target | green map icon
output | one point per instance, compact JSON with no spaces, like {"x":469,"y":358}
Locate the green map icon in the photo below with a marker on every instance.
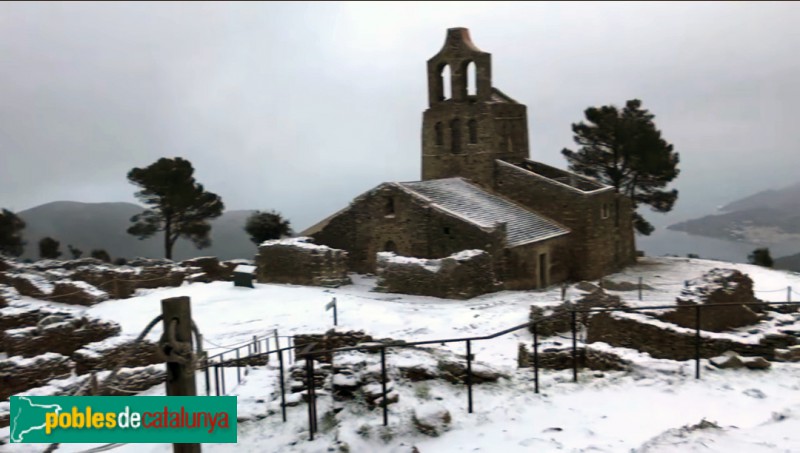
{"x":27,"y":416}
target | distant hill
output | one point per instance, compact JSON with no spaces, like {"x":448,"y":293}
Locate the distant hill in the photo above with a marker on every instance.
{"x":790,"y":263}
{"x":90,"y":226}
{"x":768,"y":217}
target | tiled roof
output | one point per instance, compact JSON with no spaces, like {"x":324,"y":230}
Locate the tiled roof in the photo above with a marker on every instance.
{"x":485,"y":209}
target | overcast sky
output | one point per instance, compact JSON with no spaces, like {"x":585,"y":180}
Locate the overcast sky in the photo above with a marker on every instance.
{"x":300,"y":107}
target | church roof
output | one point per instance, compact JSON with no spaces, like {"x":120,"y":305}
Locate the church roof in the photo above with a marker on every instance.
{"x":484,"y":209}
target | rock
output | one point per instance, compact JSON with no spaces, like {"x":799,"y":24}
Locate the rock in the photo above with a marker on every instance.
{"x":727,"y":360}
{"x":417,"y":373}
{"x":432,"y":423}
{"x":456,"y":372}
{"x":755,"y":363}
{"x":586,"y":287}
{"x":792,"y":354}
{"x":211,"y":267}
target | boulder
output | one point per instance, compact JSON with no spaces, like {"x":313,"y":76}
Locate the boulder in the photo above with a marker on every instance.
{"x":727,"y":360}
{"x":431,"y":423}
{"x":755,"y":363}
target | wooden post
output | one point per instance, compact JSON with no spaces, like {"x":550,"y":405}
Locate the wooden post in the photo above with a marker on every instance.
{"x":180,"y":376}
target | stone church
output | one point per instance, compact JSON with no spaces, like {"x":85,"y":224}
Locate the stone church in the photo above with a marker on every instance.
{"x":479,"y":190}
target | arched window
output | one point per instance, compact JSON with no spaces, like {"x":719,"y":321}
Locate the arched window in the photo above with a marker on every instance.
{"x":446,"y":80}
{"x":455,"y":130}
{"x":390,"y":246}
{"x":439,"y":135}
{"x":471,"y":74}
{"x":472,"y":125}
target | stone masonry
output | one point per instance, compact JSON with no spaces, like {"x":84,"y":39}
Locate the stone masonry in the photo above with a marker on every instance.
{"x":299,"y":261}
{"x":459,"y":276}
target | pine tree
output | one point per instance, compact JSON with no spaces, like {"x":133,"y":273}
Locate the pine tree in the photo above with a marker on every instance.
{"x":49,"y":248}
{"x":100,"y":254}
{"x":624,"y":149}
{"x":177,"y":204}
{"x":75,"y":252}
{"x":263,"y":226}
{"x":11,"y":227}
{"x":760,"y":257}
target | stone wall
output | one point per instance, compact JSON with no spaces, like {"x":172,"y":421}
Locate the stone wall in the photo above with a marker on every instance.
{"x":718,"y":286}
{"x":113,"y":352}
{"x":521,"y":269}
{"x":18,"y":317}
{"x":64,"y":335}
{"x":601,"y":241}
{"x":663,"y":341}
{"x":76,"y":293}
{"x":18,"y":374}
{"x":299,"y":261}
{"x":558,"y":319}
{"x":213,"y":269}
{"x":460,"y":276}
{"x":588,"y":357}
{"x":330,"y":340}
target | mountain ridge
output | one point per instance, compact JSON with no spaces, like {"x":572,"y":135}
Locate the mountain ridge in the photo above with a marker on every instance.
{"x":103,"y":225}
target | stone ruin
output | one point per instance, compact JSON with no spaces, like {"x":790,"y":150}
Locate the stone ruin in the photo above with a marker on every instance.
{"x":298,"y":261}
{"x":44,"y":343}
{"x":718,"y":286}
{"x":356,"y":375}
{"x":669,"y":334}
{"x":463,"y":275}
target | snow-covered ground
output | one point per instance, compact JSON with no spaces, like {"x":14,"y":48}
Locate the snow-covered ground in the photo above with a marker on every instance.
{"x":649,"y":409}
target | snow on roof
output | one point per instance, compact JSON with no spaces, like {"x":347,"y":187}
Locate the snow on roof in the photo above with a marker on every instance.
{"x":244,"y":269}
{"x":302,"y":242}
{"x":485,"y":209}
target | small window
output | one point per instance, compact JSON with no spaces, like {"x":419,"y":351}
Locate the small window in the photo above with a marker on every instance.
{"x":473,"y":131}
{"x":438,"y":132}
{"x":389,"y":208}
{"x":446,"y":230}
{"x":604,"y":211}
{"x":390,"y":246}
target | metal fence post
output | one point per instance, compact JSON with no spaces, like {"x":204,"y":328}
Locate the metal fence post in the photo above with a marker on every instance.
{"x":384,"y":402}
{"x":640,"y":288}
{"x":309,"y":384}
{"x":469,"y":376}
{"x":574,"y":346}
{"x":283,"y":386}
{"x":536,"y":357}
{"x":216,"y":378}
{"x":697,"y":342}
{"x":208,"y":377}
{"x":238,"y":367}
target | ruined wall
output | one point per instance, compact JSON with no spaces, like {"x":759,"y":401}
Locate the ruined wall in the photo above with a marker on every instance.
{"x":662,"y":342}
{"x":718,"y":286}
{"x":460,"y":276}
{"x":299,"y":261}
{"x":330,"y":340}
{"x":64,"y":335}
{"x":602,"y":239}
{"x":18,"y":374}
{"x":388,"y":218}
{"x":108,"y":354}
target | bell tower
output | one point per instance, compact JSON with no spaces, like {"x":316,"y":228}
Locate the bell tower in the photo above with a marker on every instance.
{"x":468,"y":123}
